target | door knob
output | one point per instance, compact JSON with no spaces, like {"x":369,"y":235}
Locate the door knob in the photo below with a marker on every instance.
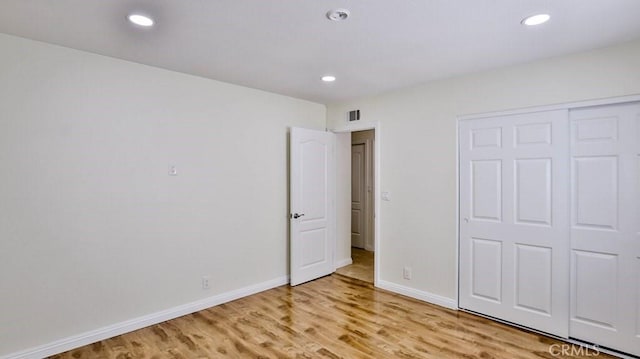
{"x":296,"y":216}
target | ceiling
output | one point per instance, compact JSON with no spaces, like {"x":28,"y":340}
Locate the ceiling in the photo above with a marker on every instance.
{"x":286,"y":46}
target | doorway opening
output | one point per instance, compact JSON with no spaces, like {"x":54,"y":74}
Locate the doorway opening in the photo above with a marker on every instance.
{"x":362,"y":207}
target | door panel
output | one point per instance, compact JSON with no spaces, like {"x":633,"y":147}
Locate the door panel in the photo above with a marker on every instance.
{"x":514,"y":219}
{"x":534,"y":279}
{"x":312,"y":195}
{"x":358,"y":193}
{"x":486,"y":137}
{"x":595,"y":199}
{"x":596,"y":130}
{"x":314,"y":161}
{"x":605,"y":245}
{"x":595,"y":293}
{"x":486,"y":187}
{"x":533,"y":191}
{"x":313,"y":247}
{"x":533,"y":134}
{"x":487,"y":269}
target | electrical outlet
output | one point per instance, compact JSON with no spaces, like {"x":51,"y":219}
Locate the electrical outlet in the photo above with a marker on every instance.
{"x":173,"y":170}
{"x":406,"y":273}
{"x":205,"y":283}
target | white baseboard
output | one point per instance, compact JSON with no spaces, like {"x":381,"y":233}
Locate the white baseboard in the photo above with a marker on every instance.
{"x":93,"y":336}
{"x":343,"y":262}
{"x":418,"y":294}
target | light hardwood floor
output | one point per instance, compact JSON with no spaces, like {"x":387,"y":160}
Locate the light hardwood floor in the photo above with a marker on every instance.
{"x":362,"y":266}
{"x":332,"y":317}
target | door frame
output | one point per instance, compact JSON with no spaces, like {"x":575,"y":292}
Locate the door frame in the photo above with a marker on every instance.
{"x":561,"y":106}
{"x":376,"y":188}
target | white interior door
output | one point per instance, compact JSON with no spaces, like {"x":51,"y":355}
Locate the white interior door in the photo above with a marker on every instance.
{"x":312,"y":204}
{"x":605,"y":226}
{"x":514,"y":219}
{"x":358,"y":193}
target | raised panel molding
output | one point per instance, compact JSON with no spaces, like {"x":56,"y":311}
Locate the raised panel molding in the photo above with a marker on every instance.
{"x":486,"y":190}
{"x":533,"y":194}
{"x":533,"y":267}
{"x":313,"y":250}
{"x":595,"y":192}
{"x":596,"y":288}
{"x":596,"y":129}
{"x":532,"y":134}
{"x":486,"y":279}
{"x":356,"y":164}
{"x":313,"y":152}
{"x":486,"y":138}
{"x":355,"y":223}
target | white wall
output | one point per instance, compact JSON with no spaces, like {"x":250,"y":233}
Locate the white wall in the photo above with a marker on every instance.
{"x":418,"y":154}
{"x":93,"y":231}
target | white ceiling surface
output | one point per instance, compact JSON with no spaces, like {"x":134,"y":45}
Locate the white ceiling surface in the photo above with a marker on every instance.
{"x":285,"y":46}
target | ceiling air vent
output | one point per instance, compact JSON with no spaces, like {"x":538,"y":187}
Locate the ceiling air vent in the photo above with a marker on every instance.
{"x":354,"y":115}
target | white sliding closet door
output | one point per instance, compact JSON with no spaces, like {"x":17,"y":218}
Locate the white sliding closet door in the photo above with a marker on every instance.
{"x":514,"y":226}
{"x":605,"y":226}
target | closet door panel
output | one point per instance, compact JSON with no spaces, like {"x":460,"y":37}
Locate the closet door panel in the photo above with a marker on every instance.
{"x":605,"y":220}
{"x":514,"y":219}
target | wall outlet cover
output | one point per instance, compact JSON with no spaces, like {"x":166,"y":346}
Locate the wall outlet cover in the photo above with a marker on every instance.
{"x":205,"y":283}
{"x":406,"y":273}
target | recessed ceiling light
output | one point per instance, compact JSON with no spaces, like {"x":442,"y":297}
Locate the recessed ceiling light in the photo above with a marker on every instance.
{"x":141,"y":20}
{"x":328,"y":78}
{"x":535,"y":19}
{"x":338,"y":14}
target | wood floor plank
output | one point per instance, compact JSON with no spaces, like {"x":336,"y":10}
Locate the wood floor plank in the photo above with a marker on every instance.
{"x":362,"y":266}
{"x":332,"y":317}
